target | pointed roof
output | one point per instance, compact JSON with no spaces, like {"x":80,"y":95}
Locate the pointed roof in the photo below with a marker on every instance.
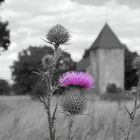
{"x":107,"y":39}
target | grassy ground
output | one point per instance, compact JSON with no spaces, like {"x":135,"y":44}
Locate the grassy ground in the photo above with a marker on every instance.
{"x":23,"y":119}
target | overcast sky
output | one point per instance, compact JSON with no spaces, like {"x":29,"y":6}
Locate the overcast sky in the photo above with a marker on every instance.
{"x":29,"y":21}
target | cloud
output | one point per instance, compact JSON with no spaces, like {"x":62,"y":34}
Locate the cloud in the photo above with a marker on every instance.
{"x":36,"y":7}
{"x":92,"y":2}
{"x":30,"y":21}
{"x":11,"y":14}
{"x":13,"y":46}
{"x":130,"y":3}
{"x":6,"y":60}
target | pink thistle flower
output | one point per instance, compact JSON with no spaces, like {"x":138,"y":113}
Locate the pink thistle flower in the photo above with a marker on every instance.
{"x":81,"y":79}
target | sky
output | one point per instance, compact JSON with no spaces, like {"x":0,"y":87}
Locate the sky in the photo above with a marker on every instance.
{"x":29,"y":22}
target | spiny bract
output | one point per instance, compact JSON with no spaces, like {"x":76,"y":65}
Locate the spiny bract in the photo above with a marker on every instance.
{"x":47,"y":61}
{"x":58,"y":35}
{"x":74,"y":101}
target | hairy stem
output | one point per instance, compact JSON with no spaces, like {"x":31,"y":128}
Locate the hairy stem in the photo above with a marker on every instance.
{"x":47,"y":108}
{"x":47,"y":102}
{"x":70,"y":124}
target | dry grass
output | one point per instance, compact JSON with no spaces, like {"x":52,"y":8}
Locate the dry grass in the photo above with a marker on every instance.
{"x":23,"y":119}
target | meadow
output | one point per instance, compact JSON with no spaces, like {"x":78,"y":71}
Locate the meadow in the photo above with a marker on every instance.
{"x":24,"y":119}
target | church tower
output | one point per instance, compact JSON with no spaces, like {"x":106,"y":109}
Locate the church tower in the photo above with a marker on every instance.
{"x":105,"y":60}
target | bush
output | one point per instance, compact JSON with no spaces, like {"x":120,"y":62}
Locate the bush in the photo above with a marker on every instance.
{"x":112,"y":88}
{"x":4,"y":87}
{"x":30,"y":61}
{"x":113,"y":93}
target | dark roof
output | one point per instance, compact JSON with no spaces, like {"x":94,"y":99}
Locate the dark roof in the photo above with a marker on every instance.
{"x":106,"y":39}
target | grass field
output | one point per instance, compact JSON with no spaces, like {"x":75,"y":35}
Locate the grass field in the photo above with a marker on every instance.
{"x":24,"y":119}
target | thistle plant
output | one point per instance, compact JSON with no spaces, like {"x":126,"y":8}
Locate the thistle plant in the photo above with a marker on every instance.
{"x":132,"y":114}
{"x":75,"y":100}
{"x":74,"y":83}
{"x":56,"y":36}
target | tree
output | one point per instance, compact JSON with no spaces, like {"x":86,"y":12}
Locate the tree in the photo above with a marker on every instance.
{"x":86,"y":53}
{"x":1,"y":1}
{"x":4,"y":34}
{"x":4,"y":87}
{"x":29,"y":61}
{"x":131,"y":78}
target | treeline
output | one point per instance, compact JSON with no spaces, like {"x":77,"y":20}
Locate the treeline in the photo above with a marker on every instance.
{"x":24,"y":70}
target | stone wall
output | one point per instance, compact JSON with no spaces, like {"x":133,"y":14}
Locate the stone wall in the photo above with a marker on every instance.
{"x":107,"y":68}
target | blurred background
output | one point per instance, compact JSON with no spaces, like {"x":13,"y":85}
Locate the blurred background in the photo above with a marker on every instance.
{"x":23,"y":25}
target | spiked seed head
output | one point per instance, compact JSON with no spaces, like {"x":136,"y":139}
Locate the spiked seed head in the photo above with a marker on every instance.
{"x":47,"y":61}
{"x":58,"y":35}
{"x":74,"y":101}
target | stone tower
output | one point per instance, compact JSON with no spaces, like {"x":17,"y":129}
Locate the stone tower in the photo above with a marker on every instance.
{"x":106,"y":60}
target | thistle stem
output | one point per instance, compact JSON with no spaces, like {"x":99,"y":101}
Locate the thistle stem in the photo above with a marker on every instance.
{"x":47,"y":102}
{"x":47,"y":108}
{"x":70,"y":125}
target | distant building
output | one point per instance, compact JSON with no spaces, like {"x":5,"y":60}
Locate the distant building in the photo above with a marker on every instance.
{"x":105,"y":60}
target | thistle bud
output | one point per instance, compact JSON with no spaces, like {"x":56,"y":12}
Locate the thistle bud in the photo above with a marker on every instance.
{"x":47,"y":61}
{"x":74,"y":101}
{"x":75,"y":84}
{"x":58,"y":35}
